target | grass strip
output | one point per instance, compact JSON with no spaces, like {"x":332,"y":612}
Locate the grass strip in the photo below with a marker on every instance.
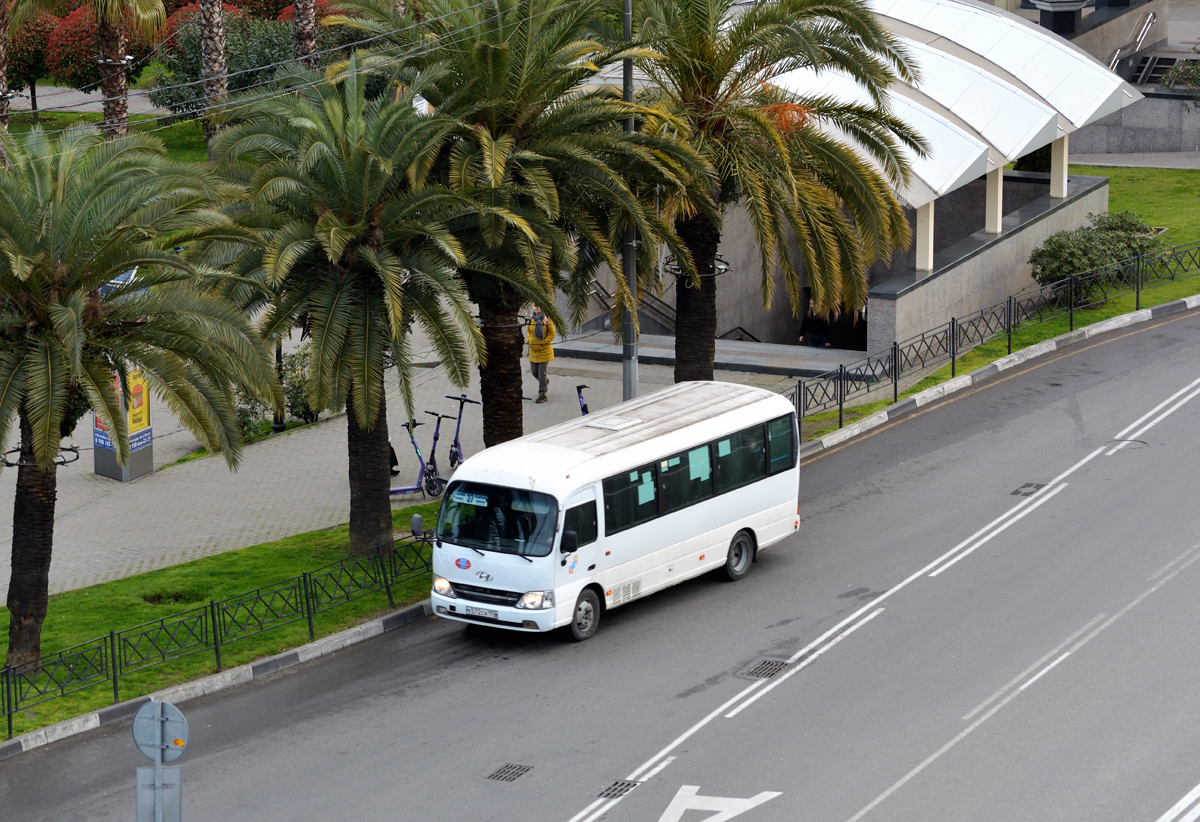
{"x":88,"y":613}
{"x":817,"y":425}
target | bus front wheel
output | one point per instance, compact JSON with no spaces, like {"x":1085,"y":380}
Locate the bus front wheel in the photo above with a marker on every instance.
{"x":741,"y":554}
{"x":587,"y":616}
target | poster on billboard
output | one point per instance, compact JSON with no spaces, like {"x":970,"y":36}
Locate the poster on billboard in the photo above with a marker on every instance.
{"x":137,"y":414}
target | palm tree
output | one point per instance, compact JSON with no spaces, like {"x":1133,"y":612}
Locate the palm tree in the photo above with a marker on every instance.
{"x":776,"y":153}
{"x":304,"y":32}
{"x":75,"y":212}
{"x":356,"y":250}
{"x":113,"y":17}
{"x":5,"y":38}
{"x":542,"y":150}
{"x":212,"y":58}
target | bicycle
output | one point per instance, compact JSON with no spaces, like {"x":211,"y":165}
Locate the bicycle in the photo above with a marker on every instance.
{"x":456,"y":449}
{"x":427,"y":482}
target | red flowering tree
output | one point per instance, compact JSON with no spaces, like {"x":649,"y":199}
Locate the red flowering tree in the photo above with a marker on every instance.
{"x":72,"y":49}
{"x":28,"y":51}
{"x":288,"y":14}
{"x":263,"y":9}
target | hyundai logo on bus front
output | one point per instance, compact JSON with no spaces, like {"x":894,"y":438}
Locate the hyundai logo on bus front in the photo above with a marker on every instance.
{"x":484,"y":575}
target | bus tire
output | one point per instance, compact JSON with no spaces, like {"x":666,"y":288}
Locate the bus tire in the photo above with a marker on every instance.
{"x":741,"y":555}
{"x":586,"y":619}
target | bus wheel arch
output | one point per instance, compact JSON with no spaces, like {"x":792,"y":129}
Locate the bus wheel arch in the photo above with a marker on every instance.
{"x":743,"y":549}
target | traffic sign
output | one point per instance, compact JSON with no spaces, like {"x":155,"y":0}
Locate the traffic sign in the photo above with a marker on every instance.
{"x":174,"y":735}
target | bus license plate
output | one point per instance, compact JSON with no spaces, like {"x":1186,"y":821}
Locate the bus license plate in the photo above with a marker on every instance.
{"x":482,"y":612}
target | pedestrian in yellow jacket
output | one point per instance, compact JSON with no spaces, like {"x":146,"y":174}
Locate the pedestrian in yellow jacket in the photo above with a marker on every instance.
{"x":539,"y":333}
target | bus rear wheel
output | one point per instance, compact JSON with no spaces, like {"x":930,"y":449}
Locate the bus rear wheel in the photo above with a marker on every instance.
{"x":741,"y":555}
{"x":586,"y":620}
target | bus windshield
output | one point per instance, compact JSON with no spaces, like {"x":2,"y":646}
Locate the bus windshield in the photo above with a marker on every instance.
{"x":494,"y":518}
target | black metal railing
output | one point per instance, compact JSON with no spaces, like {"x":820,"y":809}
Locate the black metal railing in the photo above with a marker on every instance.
{"x":209,"y":628}
{"x":909,"y":360}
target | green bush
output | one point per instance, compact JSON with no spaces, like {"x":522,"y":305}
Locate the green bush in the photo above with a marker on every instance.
{"x":295,"y":382}
{"x":1111,"y":238}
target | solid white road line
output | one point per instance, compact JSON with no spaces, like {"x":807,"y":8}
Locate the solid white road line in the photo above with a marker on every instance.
{"x":1153,"y":422}
{"x":1002,"y":528}
{"x":657,"y":769}
{"x":809,"y":661}
{"x":1121,"y":434}
{"x":966,"y":731}
{"x":1044,"y":671}
{"x":1180,"y":806}
{"x":1167,"y":567}
{"x":1016,"y":680}
{"x":579,"y":816}
{"x":1192,"y":816}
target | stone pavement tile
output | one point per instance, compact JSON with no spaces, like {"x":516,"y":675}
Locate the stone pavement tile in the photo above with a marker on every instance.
{"x":285,"y":485}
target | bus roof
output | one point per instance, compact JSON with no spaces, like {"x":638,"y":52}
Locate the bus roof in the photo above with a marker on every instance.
{"x":615,"y":438}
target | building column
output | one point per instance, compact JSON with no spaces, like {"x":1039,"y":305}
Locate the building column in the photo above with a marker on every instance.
{"x":994,"y":206}
{"x":925,"y":237}
{"x":1058,"y":168}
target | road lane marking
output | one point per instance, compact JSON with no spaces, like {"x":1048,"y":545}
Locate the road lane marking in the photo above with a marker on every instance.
{"x":1016,"y":680}
{"x":688,"y":798}
{"x":1181,"y":806}
{"x":1167,"y":567}
{"x":1003,"y":527}
{"x":809,"y":661}
{"x":657,"y":769}
{"x":1153,"y":422}
{"x":967,"y":731}
{"x":1044,"y":671}
{"x":1121,"y":434}
{"x":579,"y":816}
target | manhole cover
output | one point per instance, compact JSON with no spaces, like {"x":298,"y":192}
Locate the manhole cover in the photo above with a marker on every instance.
{"x":1028,"y":489}
{"x":763,"y":669}
{"x":509,"y":772}
{"x":618,"y":788}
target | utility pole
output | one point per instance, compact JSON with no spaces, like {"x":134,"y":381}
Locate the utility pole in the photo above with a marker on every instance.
{"x":629,"y":354}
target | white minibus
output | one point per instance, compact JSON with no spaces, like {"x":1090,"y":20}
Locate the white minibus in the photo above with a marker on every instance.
{"x":552,"y":529}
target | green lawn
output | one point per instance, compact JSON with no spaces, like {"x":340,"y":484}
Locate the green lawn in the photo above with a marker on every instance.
{"x":1163,"y":196}
{"x":76,"y":617}
{"x":183,"y":141}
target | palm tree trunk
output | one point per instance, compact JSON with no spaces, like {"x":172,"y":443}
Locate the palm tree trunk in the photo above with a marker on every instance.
{"x":370,"y":480}
{"x":696,"y":308}
{"x":33,"y":99}
{"x":500,"y":377}
{"x":33,"y":539}
{"x":4,"y":40}
{"x":114,"y":44}
{"x":305,"y":32}
{"x":212,"y":59}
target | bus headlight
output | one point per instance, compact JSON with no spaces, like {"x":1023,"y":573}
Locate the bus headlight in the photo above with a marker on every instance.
{"x":442,"y":586}
{"x":536,"y":600}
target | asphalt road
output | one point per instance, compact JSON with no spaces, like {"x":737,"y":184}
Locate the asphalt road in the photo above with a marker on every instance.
{"x":958,"y":652}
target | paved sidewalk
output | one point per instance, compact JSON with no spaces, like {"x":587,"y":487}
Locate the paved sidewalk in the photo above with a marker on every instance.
{"x":59,"y":98}
{"x":1163,"y":159}
{"x":287,"y":484}
{"x":732,"y":355}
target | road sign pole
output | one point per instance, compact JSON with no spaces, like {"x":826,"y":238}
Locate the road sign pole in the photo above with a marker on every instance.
{"x":158,"y":755}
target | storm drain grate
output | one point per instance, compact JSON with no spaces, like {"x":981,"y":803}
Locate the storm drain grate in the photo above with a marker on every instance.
{"x":508,"y":772}
{"x":618,"y":788}
{"x":764,"y":669}
{"x":1028,"y":489}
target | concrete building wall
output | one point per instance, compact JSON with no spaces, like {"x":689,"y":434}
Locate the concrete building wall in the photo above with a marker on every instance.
{"x":1150,"y":124}
{"x":1108,"y":28}
{"x":979,"y":271}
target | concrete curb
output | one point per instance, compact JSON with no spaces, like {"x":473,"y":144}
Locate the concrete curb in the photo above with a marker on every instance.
{"x":217,"y":682}
{"x":914,"y":402}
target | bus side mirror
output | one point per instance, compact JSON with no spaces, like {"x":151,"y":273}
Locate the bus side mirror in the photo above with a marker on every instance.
{"x":417,"y":526}
{"x":570,"y":542}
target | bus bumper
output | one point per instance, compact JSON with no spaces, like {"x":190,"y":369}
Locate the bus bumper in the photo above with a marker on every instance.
{"x":499,"y":616}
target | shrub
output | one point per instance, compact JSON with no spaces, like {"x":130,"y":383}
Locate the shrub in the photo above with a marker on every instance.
{"x":27,"y":54}
{"x":263,"y":9}
{"x":250,"y":43}
{"x":288,"y":13}
{"x":72,"y":49}
{"x":1185,"y":76}
{"x":252,"y":416}
{"x":295,"y":381}
{"x":1110,"y":238}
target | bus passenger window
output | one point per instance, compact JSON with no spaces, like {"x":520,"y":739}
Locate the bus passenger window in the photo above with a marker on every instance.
{"x":685,"y":479}
{"x":782,"y":449}
{"x":582,"y":520}
{"x":741,"y":459}
{"x":629,"y":499}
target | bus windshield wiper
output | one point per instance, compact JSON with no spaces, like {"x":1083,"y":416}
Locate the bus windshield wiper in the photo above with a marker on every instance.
{"x":527,"y":559}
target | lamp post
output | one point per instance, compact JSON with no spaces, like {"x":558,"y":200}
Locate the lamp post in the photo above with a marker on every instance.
{"x":629,"y":355}
{"x":277,"y":423}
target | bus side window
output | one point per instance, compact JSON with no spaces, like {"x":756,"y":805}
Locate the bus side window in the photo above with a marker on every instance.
{"x":630,"y":498}
{"x":582,"y":520}
{"x":781,"y":447}
{"x":685,"y":479}
{"x":741,"y":459}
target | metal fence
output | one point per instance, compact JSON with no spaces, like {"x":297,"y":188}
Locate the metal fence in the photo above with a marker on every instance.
{"x":910,"y":360}
{"x":209,"y":628}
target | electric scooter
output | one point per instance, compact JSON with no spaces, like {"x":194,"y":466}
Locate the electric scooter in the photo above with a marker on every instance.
{"x":427,"y":483}
{"x":456,"y":449}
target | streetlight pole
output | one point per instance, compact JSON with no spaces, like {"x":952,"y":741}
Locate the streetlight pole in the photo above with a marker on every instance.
{"x":629,"y":355}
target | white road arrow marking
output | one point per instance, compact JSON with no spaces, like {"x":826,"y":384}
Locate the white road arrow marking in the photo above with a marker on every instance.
{"x":689,"y":799}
